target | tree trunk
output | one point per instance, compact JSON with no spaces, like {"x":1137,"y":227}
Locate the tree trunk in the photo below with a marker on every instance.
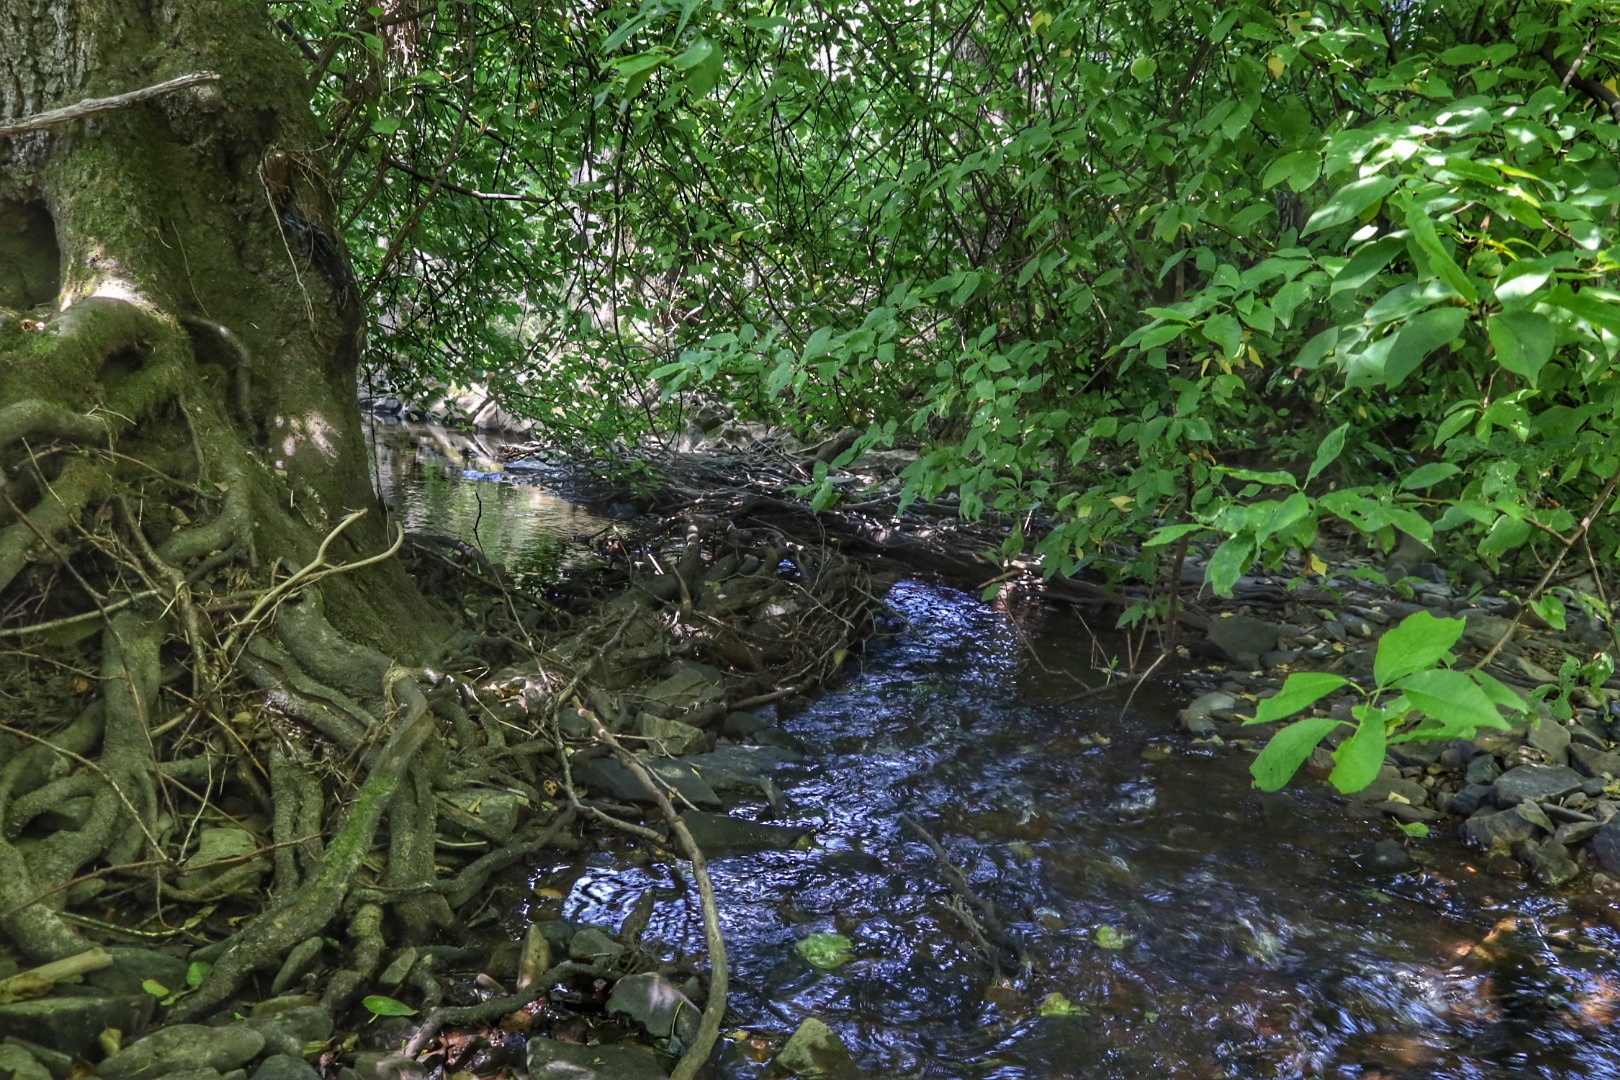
{"x":178,"y":437}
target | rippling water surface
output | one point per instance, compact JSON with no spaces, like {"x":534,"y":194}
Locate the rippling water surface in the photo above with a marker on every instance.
{"x":1256,"y":944}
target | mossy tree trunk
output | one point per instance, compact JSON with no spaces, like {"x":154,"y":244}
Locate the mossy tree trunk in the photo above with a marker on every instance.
{"x":178,"y":436}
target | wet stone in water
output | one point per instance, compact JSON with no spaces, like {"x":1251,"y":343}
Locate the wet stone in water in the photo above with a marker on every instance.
{"x":1535,"y":782}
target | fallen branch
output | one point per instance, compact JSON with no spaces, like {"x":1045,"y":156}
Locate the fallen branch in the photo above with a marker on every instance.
{"x":715,"y":1010}
{"x":90,"y":106}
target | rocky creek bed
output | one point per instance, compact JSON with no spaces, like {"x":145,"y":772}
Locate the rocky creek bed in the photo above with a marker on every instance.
{"x":680,"y":645}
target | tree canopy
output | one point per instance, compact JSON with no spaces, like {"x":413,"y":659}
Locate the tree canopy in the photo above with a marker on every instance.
{"x":1158,"y":273}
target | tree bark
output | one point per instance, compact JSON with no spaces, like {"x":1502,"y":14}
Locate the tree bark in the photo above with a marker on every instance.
{"x":182,"y":476}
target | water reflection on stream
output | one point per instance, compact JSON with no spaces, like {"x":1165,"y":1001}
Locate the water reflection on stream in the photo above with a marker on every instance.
{"x":1257,"y":947}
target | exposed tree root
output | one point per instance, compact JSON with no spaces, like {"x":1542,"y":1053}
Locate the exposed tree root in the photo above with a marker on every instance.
{"x":242,"y":771}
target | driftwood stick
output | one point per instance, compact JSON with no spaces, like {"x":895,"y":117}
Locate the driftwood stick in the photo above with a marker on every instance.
{"x":90,"y":106}
{"x":697,"y":1054}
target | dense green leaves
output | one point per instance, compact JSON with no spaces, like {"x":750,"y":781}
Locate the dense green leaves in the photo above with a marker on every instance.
{"x":1110,"y":270}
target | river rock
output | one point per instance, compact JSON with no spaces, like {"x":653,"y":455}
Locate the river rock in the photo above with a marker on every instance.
{"x":553,"y":1060}
{"x":1198,"y":717}
{"x":1243,"y":639}
{"x":1490,"y":829}
{"x":815,"y":1052}
{"x":1468,"y":800}
{"x":653,"y":1002}
{"x":671,"y":738}
{"x":721,"y":835}
{"x":295,"y":1032}
{"x":491,"y":812}
{"x":1535,"y":815}
{"x":1483,"y":629}
{"x":692,"y":685}
{"x":170,"y":1049}
{"x":387,"y":1065}
{"x":1576,"y":832}
{"x":285,"y":1067}
{"x":1552,"y":739}
{"x":1592,"y":762}
{"x":592,"y":946}
{"x":1484,"y":769}
{"x":741,"y":768}
{"x":1605,"y":846}
{"x":1534,"y":782}
{"x":1384,"y":786}
{"x":18,"y":1064}
{"x":71,"y":1022}
{"x":131,"y":966}
{"x":1549,"y":861}
{"x":614,"y":779}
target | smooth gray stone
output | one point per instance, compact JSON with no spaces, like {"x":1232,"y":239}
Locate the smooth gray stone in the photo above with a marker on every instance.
{"x":653,"y":1002}
{"x":291,"y":1033}
{"x":592,"y":946}
{"x":1243,"y":639}
{"x":132,"y":966}
{"x":1488,"y":829}
{"x":1606,"y":846}
{"x":1535,"y":782}
{"x":614,"y":779}
{"x":1593,"y":762}
{"x":1484,"y":769}
{"x":815,"y":1052}
{"x":740,"y":768}
{"x":183,"y":1046}
{"x":285,"y":1067}
{"x":70,"y":1023}
{"x":720,"y":835}
{"x":18,"y":1064}
{"x":1552,"y":739}
{"x":1550,"y":862}
{"x":553,"y":1060}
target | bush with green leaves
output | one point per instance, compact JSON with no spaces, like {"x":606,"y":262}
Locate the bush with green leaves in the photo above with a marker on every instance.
{"x":1416,"y":696}
{"x":1138,"y":277}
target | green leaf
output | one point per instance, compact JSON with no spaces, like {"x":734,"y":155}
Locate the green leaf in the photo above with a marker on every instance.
{"x":1143,"y":67}
{"x":378,"y":1005}
{"x":1350,"y":202}
{"x":1328,"y":452}
{"x":1453,"y":700}
{"x":1524,"y":342}
{"x":1426,"y":476}
{"x":1367,"y":263}
{"x":1593,"y":305}
{"x":1300,"y":691}
{"x":1055,"y":1004}
{"x":1111,"y":938}
{"x":1224,"y":330}
{"x":1420,"y":641}
{"x":1287,"y":751}
{"x":1230,"y":562}
{"x":1426,"y":240}
{"x":825,"y":951}
{"x":1357,"y":760}
{"x":1422,"y":334}
{"x":196,"y":972}
{"x":155,"y":988}
{"x":1300,"y":169}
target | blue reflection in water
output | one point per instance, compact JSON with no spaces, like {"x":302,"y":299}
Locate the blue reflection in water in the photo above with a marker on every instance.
{"x":1253,"y":947}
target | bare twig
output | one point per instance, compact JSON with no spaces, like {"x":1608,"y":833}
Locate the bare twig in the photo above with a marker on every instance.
{"x":90,"y":106}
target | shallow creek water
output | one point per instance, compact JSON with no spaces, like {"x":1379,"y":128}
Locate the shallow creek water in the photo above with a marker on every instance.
{"x":1257,"y":943}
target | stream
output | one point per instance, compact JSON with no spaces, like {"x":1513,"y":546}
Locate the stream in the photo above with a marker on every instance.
{"x":1202,"y":929}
